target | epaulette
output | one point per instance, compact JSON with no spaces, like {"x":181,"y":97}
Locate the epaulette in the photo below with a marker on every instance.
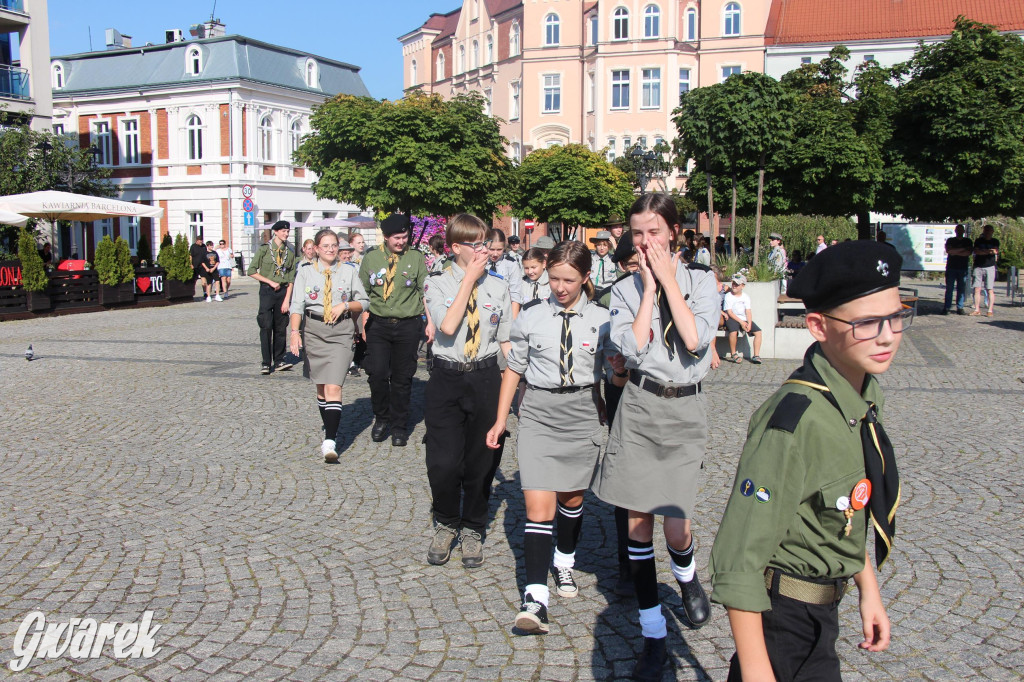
{"x":436,"y":274}
{"x":348,"y":262}
{"x":494,"y":274}
{"x":536,"y":301}
{"x":302,"y":265}
{"x":698,"y":266}
{"x":788,"y":412}
{"x":510,"y":257}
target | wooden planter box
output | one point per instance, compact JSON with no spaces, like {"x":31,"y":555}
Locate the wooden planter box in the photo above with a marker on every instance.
{"x":38,"y":301}
{"x":117,"y":294}
{"x":150,"y":284}
{"x":177,"y":291}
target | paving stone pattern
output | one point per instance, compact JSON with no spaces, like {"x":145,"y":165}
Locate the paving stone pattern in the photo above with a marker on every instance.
{"x":147,"y":466}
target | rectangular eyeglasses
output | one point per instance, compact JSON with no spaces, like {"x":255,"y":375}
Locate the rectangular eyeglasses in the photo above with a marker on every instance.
{"x":476,"y":246}
{"x":870,"y":327}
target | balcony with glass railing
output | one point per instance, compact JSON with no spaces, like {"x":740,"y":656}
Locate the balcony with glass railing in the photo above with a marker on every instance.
{"x":13,"y":5}
{"x":14,"y":82}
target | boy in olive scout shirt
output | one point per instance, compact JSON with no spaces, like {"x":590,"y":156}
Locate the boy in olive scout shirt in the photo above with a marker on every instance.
{"x":817,"y":472}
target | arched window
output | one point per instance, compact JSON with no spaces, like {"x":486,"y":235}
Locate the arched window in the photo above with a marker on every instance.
{"x":412,"y":74}
{"x":296,"y":134}
{"x":266,"y":141}
{"x":490,"y":50}
{"x":513,"y":39}
{"x":620,"y":24}
{"x":462,"y":59}
{"x":652,"y":21}
{"x":732,"y":19}
{"x":194,"y":133}
{"x":58,"y":77}
{"x":476,"y":54}
{"x":440,"y":66}
{"x":312,"y":74}
{"x":194,"y":61}
{"x":691,"y":24}
{"x":551,"y":25}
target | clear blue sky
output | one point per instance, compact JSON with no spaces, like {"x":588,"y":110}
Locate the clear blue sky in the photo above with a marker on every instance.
{"x":360,"y":32}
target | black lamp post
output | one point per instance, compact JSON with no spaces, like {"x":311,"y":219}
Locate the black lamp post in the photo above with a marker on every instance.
{"x":645,"y":163}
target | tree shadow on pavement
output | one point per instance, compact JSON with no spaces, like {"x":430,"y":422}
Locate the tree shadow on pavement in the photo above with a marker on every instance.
{"x":1010,"y":325}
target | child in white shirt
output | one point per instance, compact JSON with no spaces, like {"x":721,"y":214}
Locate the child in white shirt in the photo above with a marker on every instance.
{"x":739,"y":316}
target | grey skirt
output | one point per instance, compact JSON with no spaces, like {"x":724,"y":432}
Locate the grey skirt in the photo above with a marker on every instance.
{"x":655,"y":453}
{"x":559,"y":440}
{"x":327,"y":351}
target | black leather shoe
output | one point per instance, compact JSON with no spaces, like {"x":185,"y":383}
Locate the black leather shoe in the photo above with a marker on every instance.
{"x":651,"y":664}
{"x":379,"y":431}
{"x":399,"y":438}
{"x":695,"y":602}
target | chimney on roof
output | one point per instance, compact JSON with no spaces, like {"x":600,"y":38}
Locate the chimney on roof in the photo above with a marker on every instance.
{"x":174,"y":35}
{"x":116,"y":40}
{"x":208,"y":29}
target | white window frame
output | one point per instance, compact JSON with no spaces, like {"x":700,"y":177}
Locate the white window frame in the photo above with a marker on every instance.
{"x":101,"y":139}
{"x":731,"y":15}
{"x":650,"y":87}
{"x":265,"y":138}
{"x":620,"y":90}
{"x":312,"y":74}
{"x":488,"y":103}
{"x":620,"y":24}
{"x":514,"y":101}
{"x":440,"y":66}
{"x":627,"y":144}
{"x":592,"y":32}
{"x":805,"y":60}
{"x":130,"y":231}
{"x":732,"y":69}
{"x":131,"y":152}
{"x":57,"y":76}
{"x":194,"y":137}
{"x":551,"y":85}
{"x":489,"y":47}
{"x":552,"y":30}
{"x":652,"y":21}
{"x":691,"y":24}
{"x":610,"y":154}
{"x":413,"y":75}
{"x":462,"y":59}
{"x":295,"y":134}
{"x":476,"y":55}
{"x":591,"y":91}
{"x":57,"y":128}
{"x":517,"y":152}
{"x":514,"y":35}
{"x":194,"y":61}
{"x":195,"y":225}
{"x":684,"y":80}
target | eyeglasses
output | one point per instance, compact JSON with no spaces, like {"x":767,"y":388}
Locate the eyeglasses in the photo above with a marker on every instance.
{"x":476,"y":246}
{"x":870,"y":327}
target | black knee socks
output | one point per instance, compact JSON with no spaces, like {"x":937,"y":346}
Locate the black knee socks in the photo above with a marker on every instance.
{"x":644,"y":573}
{"x":537,"y":547}
{"x":332,"y":419}
{"x":570,"y":523}
{"x":622,"y":533}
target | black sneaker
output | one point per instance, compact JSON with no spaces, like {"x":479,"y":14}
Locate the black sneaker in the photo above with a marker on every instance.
{"x":945,"y":311}
{"x":650,"y":665}
{"x":353,"y":371}
{"x":532,"y":618}
{"x":266,"y":369}
{"x":695,"y":602}
{"x":284,"y":365}
{"x":565,"y":585}
{"x":961,"y":311}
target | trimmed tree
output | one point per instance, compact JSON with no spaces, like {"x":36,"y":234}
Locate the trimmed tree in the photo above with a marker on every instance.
{"x":123,"y":261}
{"x":105,"y":262}
{"x":33,"y":273}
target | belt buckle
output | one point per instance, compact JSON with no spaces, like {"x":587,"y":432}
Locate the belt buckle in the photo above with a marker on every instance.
{"x":670,"y":392}
{"x":465,"y":366}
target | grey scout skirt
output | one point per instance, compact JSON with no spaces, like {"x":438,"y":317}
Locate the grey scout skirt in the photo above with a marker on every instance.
{"x":327,"y":351}
{"x":655,"y":453}
{"x":559,"y":440}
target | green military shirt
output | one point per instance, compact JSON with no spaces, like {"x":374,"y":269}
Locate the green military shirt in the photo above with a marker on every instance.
{"x":407,"y":298}
{"x":801,"y":456}
{"x":275,"y":263}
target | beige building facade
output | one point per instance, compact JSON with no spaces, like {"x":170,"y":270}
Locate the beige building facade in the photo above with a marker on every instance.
{"x":25,"y":60}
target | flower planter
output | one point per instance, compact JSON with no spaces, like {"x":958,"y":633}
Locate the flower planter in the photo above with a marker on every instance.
{"x":117,"y":294}
{"x":38,"y":301}
{"x":177,"y":291}
{"x":150,"y":283}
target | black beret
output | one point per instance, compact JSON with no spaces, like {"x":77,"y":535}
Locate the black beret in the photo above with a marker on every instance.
{"x":624,"y":248}
{"x":513,"y":239}
{"x":396,"y":223}
{"x":844,"y":272}
{"x":281,"y":225}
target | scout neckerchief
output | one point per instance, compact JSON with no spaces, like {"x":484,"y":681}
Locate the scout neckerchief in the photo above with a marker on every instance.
{"x":879,"y":461}
{"x":279,"y":255}
{"x":600,"y":270}
{"x":669,"y":334}
{"x":389,"y":278}
{"x":494,"y":267}
{"x":472,"y":326}
{"x":565,"y":361}
{"x":328,"y":309}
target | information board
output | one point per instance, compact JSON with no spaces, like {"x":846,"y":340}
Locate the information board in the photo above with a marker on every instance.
{"x":922,"y":245}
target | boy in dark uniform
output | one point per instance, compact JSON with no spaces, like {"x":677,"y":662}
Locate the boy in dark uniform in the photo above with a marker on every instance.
{"x":817,"y":472}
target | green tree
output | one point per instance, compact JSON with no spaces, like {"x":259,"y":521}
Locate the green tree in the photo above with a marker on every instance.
{"x":422,"y":155}
{"x":33,"y":274}
{"x":123,"y":259}
{"x":145,"y":251}
{"x":105,"y":262}
{"x":697,"y":122}
{"x":660,"y":167}
{"x":179,"y":264}
{"x":571,"y":185}
{"x":958,"y":130}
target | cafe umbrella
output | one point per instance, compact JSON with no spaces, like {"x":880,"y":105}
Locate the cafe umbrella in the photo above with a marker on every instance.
{"x":10,"y":218}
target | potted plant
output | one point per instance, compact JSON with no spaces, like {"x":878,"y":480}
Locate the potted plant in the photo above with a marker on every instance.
{"x":178,"y":265}
{"x":114,"y":271}
{"x":34,"y":279}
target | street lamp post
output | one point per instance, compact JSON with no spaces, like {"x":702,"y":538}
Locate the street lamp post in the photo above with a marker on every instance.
{"x":645,"y":163}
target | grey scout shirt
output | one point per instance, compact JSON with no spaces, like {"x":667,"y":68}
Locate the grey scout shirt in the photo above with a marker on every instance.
{"x":602,"y":270}
{"x":700,"y":290}
{"x":537,"y":340}
{"x":507,"y":268}
{"x":535,"y":290}
{"x":493,"y":303}
{"x":309,"y":288}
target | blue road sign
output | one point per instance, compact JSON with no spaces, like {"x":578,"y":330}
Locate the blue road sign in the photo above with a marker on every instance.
{"x":250,"y":219}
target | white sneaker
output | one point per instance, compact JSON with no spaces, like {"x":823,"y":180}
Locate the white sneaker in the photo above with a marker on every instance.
{"x":330,"y":456}
{"x":208,"y":299}
{"x":218,"y":298}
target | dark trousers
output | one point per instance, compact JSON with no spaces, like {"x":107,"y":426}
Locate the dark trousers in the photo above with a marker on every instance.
{"x":460,"y":410}
{"x":273,"y":323}
{"x":390,"y":365}
{"x":957,"y":278}
{"x":801,"y":641}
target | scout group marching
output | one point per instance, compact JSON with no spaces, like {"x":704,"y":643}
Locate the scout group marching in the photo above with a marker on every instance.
{"x":545,"y":330}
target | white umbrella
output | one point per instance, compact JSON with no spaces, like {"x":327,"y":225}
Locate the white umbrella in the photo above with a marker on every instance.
{"x":328,"y":222}
{"x":10,"y":218}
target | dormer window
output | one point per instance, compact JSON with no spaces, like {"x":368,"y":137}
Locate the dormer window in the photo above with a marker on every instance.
{"x":58,"y":76}
{"x":312,"y":74}
{"x":194,"y":61}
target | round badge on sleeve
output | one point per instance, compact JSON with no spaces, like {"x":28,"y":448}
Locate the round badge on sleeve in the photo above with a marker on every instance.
{"x":861,"y":494}
{"x":843,"y":503}
{"x":494,"y":319}
{"x":763,"y":495}
{"x":747,"y":488}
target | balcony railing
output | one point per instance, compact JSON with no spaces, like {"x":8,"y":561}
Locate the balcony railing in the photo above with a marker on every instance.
{"x":13,"y":5}
{"x":14,"y":82}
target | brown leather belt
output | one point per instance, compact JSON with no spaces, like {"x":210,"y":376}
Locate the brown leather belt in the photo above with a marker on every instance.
{"x":804,"y":590}
{"x":661,"y":390}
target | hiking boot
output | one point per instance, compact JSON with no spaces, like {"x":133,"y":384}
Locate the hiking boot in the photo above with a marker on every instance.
{"x":533,"y":617}
{"x":441,"y":546}
{"x":472,"y":548}
{"x":650,"y":665}
{"x":695,"y":602}
{"x":565,"y":585}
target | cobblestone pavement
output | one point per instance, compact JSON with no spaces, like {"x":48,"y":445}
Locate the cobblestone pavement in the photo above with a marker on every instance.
{"x":147,"y":466}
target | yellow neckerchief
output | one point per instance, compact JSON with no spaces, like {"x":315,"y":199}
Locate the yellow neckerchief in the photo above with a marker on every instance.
{"x":328,"y":309}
